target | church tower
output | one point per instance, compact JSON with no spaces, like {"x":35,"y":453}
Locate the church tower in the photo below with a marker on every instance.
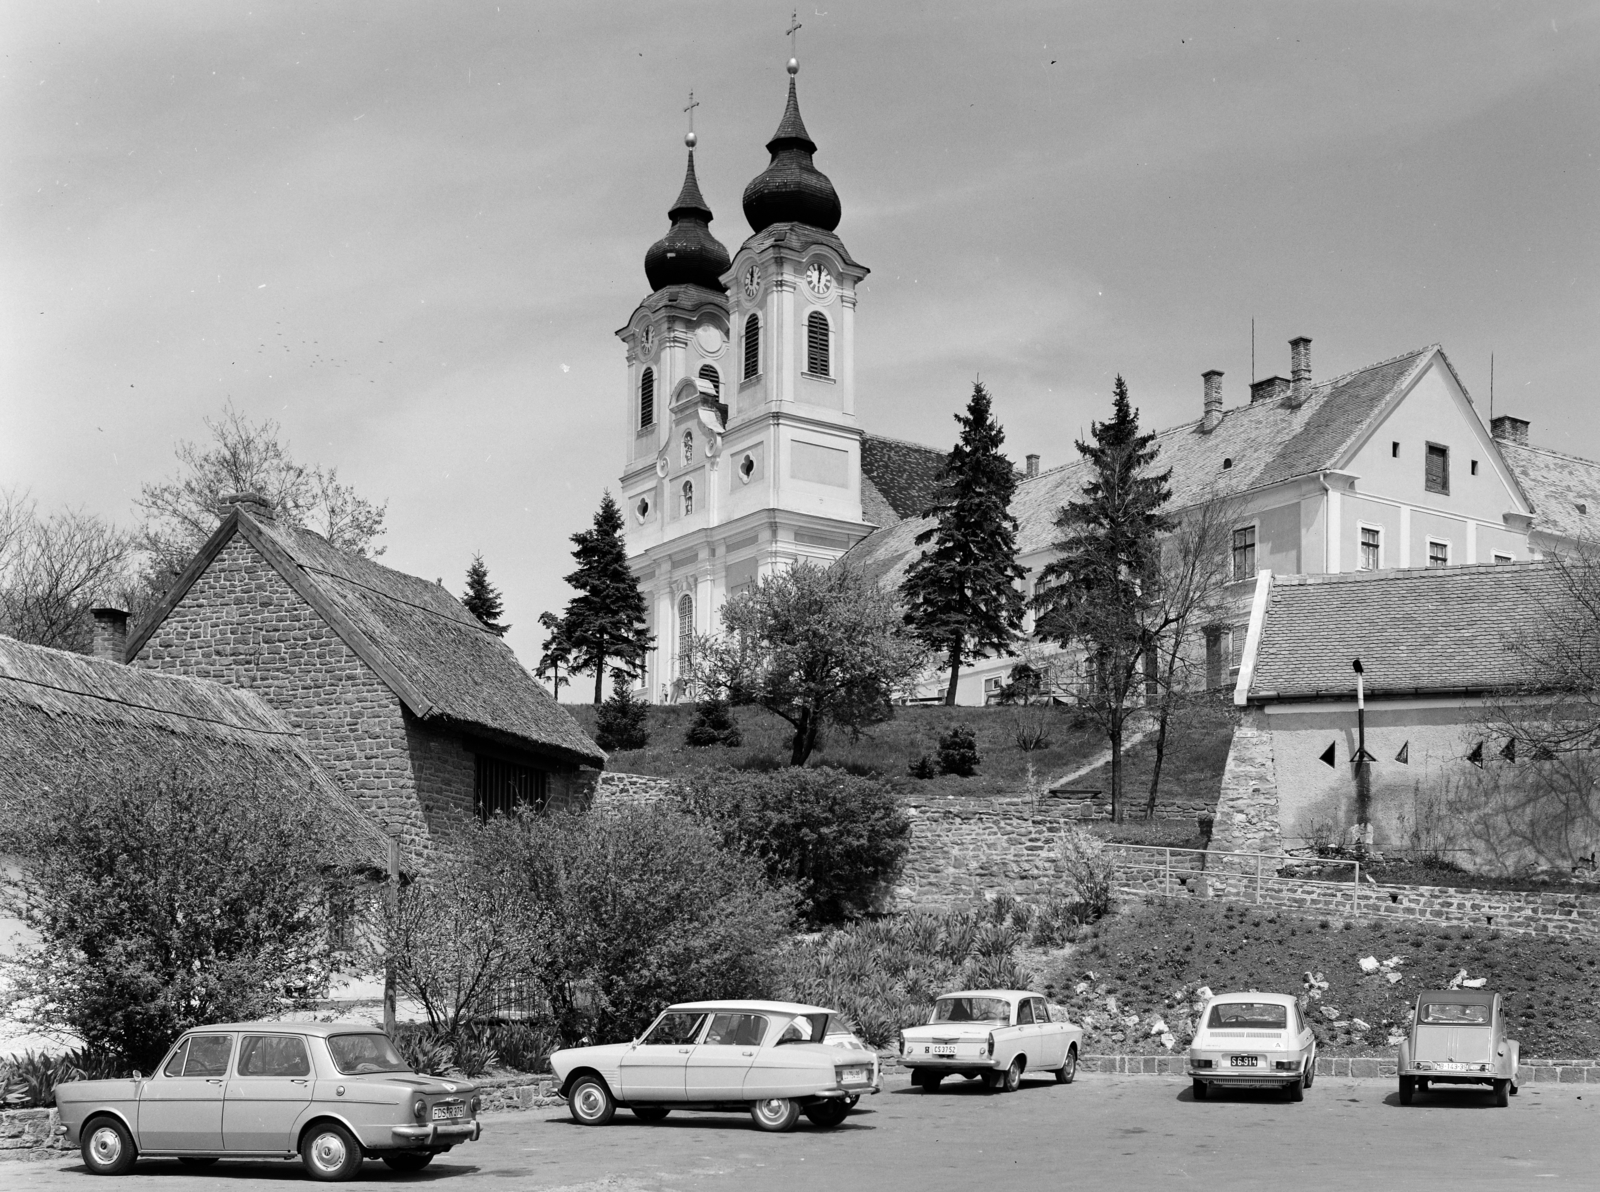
{"x":743,"y":449}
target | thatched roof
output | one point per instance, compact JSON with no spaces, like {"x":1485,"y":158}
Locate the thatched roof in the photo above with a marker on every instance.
{"x":61,"y":714}
{"x":438,"y":659}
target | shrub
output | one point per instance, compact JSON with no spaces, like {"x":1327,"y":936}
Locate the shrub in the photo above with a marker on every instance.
{"x":833,"y":837}
{"x":923,"y":767}
{"x":1088,"y":871}
{"x":622,"y":721}
{"x":426,"y":1050}
{"x":713,"y":724}
{"x":523,"y":1046}
{"x":958,"y":752}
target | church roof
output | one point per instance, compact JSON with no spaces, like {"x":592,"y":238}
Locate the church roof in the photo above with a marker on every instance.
{"x":791,"y":189}
{"x":1564,"y":489}
{"x":688,"y":254}
{"x":904,"y":474}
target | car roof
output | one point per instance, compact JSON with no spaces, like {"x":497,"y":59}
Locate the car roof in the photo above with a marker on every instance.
{"x":1255,"y":995}
{"x":754,"y":1007}
{"x":1460,"y":997}
{"x":1008,"y":994}
{"x":319,"y":1029}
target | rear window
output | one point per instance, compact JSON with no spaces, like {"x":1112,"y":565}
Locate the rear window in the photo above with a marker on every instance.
{"x":354,"y":1054}
{"x":1243,"y":1016}
{"x":804,"y":1028}
{"x":1455,"y":1014}
{"x":972,"y":1009}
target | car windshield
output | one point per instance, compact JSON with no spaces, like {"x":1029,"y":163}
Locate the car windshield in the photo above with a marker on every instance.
{"x":1261,"y":1016}
{"x":370,"y":1052}
{"x":972,"y":1009}
{"x":1455,"y":1014}
{"x":804,"y":1028}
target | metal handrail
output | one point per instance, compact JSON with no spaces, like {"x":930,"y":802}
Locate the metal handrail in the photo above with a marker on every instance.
{"x":1261,"y":875}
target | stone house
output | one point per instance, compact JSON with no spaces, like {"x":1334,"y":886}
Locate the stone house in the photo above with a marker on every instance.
{"x":422,"y":716}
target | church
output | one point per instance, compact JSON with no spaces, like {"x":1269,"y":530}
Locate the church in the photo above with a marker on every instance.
{"x":745,"y":454}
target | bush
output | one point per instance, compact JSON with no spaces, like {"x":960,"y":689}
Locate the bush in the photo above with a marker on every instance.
{"x":426,"y":1050}
{"x":713,"y":724}
{"x":835,"y":838}
{"x":923,"y":767}
{"x":622,"y":721}
{"x":958,"y":752}
{"x":1088,"y":871}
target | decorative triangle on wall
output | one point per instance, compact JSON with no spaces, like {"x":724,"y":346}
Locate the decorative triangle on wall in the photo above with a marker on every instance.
{"x":1510,"y":751}
{"x":1404,"y":756}
{"x":1476,"y":756}
{"x":1327,"y":754}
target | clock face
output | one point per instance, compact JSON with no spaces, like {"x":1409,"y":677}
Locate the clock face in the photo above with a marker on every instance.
{"x":647,"y":338}
{"x":752,"y":281}
{"x":819,"y":279}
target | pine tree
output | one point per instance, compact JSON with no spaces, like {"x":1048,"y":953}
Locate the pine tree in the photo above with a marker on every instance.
{"x":483,"y":599}
{"x":962,"y":596}
{"x":1099,"y":591}
{"x":556,"y":655}
{"x":604,"y":624}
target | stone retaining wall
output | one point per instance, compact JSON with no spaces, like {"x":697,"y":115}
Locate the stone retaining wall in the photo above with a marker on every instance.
{"x":29,"y":1134}
{"x":615,"y":789}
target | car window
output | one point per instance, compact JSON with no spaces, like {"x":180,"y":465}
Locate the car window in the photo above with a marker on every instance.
{"x":1238,"y":1016}
{"x":175,"y":1064}
{"x":208,"y":1055}
{"x":1025,"y":1012}
{"x":274,"y":1055}
{"x":680,"y":1027}
{"x":366,"y":1052}
{"x":804,"y":1028}
{"x":972,"y":1009}
{"x":1455,"y":1014}
{"x":736,"y":1030}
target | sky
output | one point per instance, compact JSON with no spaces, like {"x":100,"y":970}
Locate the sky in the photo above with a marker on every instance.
{"x":408,"y":232}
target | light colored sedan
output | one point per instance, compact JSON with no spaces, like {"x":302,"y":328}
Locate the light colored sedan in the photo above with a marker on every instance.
{"x":997,"y":1035}
{"x":1251,"y":1041}
{"x":328,"y":1093}
{"x":770,"y":1058}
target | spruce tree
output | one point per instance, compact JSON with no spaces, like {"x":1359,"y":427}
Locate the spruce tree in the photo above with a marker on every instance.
{"x":1099,"y":591}
{"x":604,"y":624}
{"x":962,"y":596}
{"x":483,"y":599}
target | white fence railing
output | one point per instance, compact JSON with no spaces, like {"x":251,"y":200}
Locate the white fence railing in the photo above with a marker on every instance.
{"x":1143,"y":867}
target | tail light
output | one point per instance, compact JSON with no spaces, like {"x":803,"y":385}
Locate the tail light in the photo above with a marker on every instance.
{"x":477,"y":1103}
{"x":902,"y":1043}
{"x":991,"y":1043}
{"x":419,"y":1110}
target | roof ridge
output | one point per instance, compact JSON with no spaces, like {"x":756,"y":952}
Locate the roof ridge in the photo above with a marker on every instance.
{"x":1582,"y":459}
{"x":126,"y":703}
{"x":866,"y":434}
{"x":1313,"y":578}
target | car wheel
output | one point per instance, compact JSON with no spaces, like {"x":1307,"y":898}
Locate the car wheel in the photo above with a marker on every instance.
{"x":776,"y":1115}
{"x":827,"y":1114}
{"x":108,"y":1147}
{"x":1012,"y":1077}
{"x":1311,"y":1070}
{"x":590,"y":1102}
{"x":1514,"y":1087}
{"x":931,"y":1081}
{"x":649,"y":1113}
{"x":1296,"y":1090}
{"x":1069,"y":1067}
{"x":1408,"y":1089}
{"x":197,"y":1160}
{"x":993,"y":1080}
{"x":409,"y":1160}
{"x":1200,"y":1090}
{"x":329,"y":1153}
{"x":1423,"y":1085}
{"x":1502,"y":1093}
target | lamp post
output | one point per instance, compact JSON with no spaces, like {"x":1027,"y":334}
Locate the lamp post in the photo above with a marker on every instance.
{"x":1362,"y":760}
{"x":393,"y":896}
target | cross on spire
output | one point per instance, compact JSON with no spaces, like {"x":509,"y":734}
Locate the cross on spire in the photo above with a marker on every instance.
{"x":693,"y":104}
{"x":794,"y":27}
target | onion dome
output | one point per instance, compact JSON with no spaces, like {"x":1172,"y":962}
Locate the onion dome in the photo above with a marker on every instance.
{"x":688,"y":255}
{"x":791,"y":189}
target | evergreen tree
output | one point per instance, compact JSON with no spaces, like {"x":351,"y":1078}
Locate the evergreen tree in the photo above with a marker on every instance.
{"x":962,"y":596}
{"x":483,"y":599}
{"x":605,"y":623}
{"x":557,"y":653}
{"x":1099,"y":591}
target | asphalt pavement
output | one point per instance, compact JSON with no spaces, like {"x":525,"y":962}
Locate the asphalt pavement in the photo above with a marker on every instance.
{"x":1106,"y":1132}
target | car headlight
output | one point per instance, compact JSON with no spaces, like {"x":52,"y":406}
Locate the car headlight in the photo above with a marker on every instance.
{"x":419,"y":1110}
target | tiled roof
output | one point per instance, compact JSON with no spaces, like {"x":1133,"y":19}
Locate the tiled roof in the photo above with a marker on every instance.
{"x":904,"y":474}
{"x":1439,"y":631}
{"x":1557,"y":485}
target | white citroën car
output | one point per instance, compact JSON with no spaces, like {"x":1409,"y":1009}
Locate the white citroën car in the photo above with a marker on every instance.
{"x":769,"y":1058}
{"x":995,"y":1034}
{"x":1253,"y":1040}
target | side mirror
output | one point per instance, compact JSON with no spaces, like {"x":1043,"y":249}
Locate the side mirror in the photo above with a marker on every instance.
{"x":138,"y":1075}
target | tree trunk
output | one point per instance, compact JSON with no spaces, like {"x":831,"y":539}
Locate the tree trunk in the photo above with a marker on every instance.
{"x":1161,"y":749}
{"x":1116,"y":771}
{"x":955,"y":673}
{"x":805,"y":736}
{"x":599,"y":679}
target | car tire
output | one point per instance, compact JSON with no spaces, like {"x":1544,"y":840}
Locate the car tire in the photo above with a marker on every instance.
{"x":590,"y":1102}
{"x":649,"y":1113}
{"x":1011,"y":1077}
{"x":1311,"y":1070}
{"x":931,"y":1081}
{"x":329,"y":1152}
{"x":1502,"y":1093}
{"x":775,"y":1115}
{"x":1422,"y":1084}
{"x":1514,"y":1088}
{"x":992,"y":1080}
{"x":1200,"y":1091}
{"x":1408,"y":1089}
{"x":197,"y":1160}
{"x":827,"y":1114}
{"x":108,"y":1147}
{"x":408,"y":1160}
{"x":1295,"y":1090}
{"x":1069,"y":1067}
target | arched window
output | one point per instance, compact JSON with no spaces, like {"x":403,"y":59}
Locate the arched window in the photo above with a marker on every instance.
{"x":708,"y":373}
{"x":817,"y":344}
{"x":685,"y":628}
{"x":647,"y":399}
{"x":752,"y":346}
{"x":688,"y":447}
{"x":688,"y":497}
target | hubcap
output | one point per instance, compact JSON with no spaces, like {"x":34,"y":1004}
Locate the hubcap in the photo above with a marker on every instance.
{"x":774,"y":1110}
{"x":590,"y":1103}
{"x":328,"y":1152}
{"x":106,"y":1145}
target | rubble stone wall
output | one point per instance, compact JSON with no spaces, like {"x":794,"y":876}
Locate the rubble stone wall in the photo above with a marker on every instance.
{"x":1247,"y":807}
{"x":619,"y":790}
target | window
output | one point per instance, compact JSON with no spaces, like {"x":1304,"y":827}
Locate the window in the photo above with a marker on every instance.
{"x":677,"y":1029}
{"x":1214,"y":663}
{"x":1025,"y":1012}
{"x":1371,"y":548}
{"x":1500,"y":558}
{"x":752,"y":346}
{"x":1227,"y":462}
{"x":688,"y":447}
{"x":647,"y":399}
{"x":688,"y":497}
{"x":1436,"y":477}
{"x":1473,"y":467}
{"x":685,"y":627}
{"x":736,"y":1030}
{"x":365,"y":1052}
{"x":747,"y":468}
{"x":208,"y":1055}
{"x":1438,"y":553}
{"x":709,"y":373}
{"x":1244,"y":552}
{"x":817,"y":344}
{"x":1261,"y":1016}
{"x":274,"y":1055}
{"x":500,"y":787}
{"x":1394,"y":450}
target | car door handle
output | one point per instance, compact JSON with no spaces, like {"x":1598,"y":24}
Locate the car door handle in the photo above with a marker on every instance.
{"x":213,"y":1080}
{"x":684,"y":1050}
{"x":298,"y":1080}
{"x":747,"y":1053}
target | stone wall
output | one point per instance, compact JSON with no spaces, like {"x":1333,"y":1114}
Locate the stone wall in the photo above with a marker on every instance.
{"x":613,"y":789}
{"x":1247,"y":807}
{"x":29,"y":1134}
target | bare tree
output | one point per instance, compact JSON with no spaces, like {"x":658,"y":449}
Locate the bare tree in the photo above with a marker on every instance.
{"x":54,"y":568}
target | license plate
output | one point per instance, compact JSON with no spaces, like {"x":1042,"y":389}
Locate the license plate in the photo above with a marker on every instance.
{"x":1452,"y":1067}
{"x":448,"y":1111}
{"x":854,"y":1076}
{"x":1241,"y":1061}
{"x":944,"y":1049}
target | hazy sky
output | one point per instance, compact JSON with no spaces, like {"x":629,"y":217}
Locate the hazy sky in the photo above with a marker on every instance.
{"x":408,"y":231}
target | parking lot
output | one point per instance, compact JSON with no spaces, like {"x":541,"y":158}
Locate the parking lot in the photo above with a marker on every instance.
{"x":1100,"y":1132}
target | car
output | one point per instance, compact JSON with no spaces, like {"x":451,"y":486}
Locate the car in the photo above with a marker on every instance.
{"x":996,"y":1035}
{"x":840,"y":1035}
{"x":1253,"y":1040}
{"x":329,"y":1093}
{"x":1458,"y":1036}
{"x":771,"y":1059}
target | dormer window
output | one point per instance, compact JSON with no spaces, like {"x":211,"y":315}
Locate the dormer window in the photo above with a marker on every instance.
{"x":817,"y":344}
{"x":688,"y":447}
{"x":647,"y":399}
{"x":1227,"y":462}
{"x":752,"y":346}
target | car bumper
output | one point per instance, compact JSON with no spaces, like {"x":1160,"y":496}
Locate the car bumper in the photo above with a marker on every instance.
{"x":952,"y":1063}
{"x":437,"y":1133}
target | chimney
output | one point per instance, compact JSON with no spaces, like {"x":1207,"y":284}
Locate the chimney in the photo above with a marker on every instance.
{"x":110,"y":633}
{"x":1033,"y":464}
{"x":1213,"y":382}
{"x":1268,"y":389}
{"x":1299,"y":369}
{"x":1509,"y":430}
{"x":256,"y":505}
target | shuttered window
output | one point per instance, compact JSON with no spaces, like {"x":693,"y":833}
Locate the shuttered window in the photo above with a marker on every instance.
{"x":500,"y":787}
{"x":752,"y":346}
{"x":708,"y":373}
{"x":1437,"y":476}
{"x":647,"y":399}
{"x":817,"y":344}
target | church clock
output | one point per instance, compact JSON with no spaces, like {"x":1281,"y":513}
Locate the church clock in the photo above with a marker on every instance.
{"x":752,"y":282}
{"x":819,"y":280}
